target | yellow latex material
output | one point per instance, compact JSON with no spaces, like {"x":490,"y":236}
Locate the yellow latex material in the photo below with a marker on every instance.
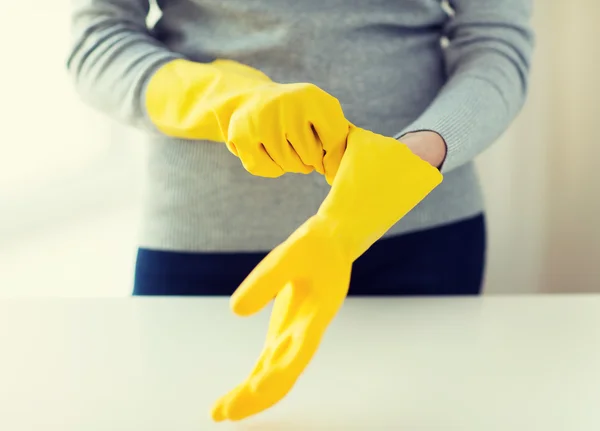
{"x":273,"y":128}
{"x":379,"y":181}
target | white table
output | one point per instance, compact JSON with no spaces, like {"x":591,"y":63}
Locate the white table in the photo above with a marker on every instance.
{"x":144,"y":364}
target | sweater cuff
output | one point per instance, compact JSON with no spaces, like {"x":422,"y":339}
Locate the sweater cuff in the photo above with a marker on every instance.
{"x":464,"y":119}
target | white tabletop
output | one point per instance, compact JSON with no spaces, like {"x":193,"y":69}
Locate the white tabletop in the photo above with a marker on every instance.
{"x":144,"y":364}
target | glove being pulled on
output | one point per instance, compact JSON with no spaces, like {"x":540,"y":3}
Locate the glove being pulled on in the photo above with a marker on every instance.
{"x":379,"y":181}
{"x":273,"y":128}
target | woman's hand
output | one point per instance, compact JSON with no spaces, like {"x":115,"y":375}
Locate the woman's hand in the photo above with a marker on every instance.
{"x":428,"y":145}
{"x":273,"y":128}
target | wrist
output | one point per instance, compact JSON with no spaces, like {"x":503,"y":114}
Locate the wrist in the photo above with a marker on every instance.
{"x":330,"y":231}
{"x":428,"y":145}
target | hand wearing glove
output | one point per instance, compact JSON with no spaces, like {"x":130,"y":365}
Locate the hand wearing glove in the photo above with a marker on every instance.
{"x":273,"y":128}
{"x":379,"y":181}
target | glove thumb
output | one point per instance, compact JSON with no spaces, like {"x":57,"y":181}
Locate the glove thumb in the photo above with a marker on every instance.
{"x":262,"y":285}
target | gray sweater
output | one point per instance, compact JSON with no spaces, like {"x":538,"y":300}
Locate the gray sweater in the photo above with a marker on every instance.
{"x":395,"y":65}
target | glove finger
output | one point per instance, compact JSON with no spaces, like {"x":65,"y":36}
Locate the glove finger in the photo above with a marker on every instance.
{"x":217,"y":412}
{"x":245,"y":144}
{"x":284,"y":154}
{"x":306,"y":144}
{"x":287,"y":309}
{"x":281,"y":314}
{"x":249,"y":403}
{"x":258,"y":162}
{"x":235,"y":400}
{"x":290,"y":358}
{"x":245,"y":400}
{"x":281,"y":364}
{"x":334,"y":144}
{"x":246,"y":403}
{"x":265,"y":281}
{"x":232,"y":148}
{"x":220,"y":409}
{"x":280,"y":372}
{"x":332,"y":129}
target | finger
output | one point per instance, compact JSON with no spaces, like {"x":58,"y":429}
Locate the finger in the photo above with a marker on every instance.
{"x":332,"y":128}
{"x":244,"y":143}
{"x":232,"y":148}
{"x":288,"y":361}
{"x":292,"y":150}
{"x":284,"y":154}
{"x":258,"y":162}
{"x":219,"y":410}
{"x":248,"y":403}
{"x":307,"y":145}
{"x":264,"y":282}
{"x":280,"y":314}
{"x":334,"y":145}
{"x":295,"y":332}
{"x":291,"y":361}
{"x":244,"y":400}
{"x":288,"y":305}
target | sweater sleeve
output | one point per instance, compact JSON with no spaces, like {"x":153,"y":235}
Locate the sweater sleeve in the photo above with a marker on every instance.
{"x":487,"y":58}
{"x":112,"y":55}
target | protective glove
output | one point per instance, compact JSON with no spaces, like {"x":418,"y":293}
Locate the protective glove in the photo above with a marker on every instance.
{"x":273,"y":128}
{"x":378,"y":182}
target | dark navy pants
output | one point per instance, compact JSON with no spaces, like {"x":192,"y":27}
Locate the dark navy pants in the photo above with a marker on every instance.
{"x":446,"y":260}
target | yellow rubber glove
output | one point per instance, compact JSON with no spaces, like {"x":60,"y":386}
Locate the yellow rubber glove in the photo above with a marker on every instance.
{"x":379,"y":181}
{"x":273,"y":128}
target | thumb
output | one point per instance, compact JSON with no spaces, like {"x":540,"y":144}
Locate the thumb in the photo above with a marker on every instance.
{"x":262,"y":284}
{"x":332,"y":161}
{"x":334,"y":155}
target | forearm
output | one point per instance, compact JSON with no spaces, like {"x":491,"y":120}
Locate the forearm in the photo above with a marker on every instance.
{"x":112,"y":56}
{"x":487,"y":62}
{"x":468,"y":116}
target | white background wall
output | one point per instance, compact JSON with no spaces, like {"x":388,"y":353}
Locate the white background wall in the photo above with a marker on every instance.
{"x":541,"y":179}
{"x":70,"y":179}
